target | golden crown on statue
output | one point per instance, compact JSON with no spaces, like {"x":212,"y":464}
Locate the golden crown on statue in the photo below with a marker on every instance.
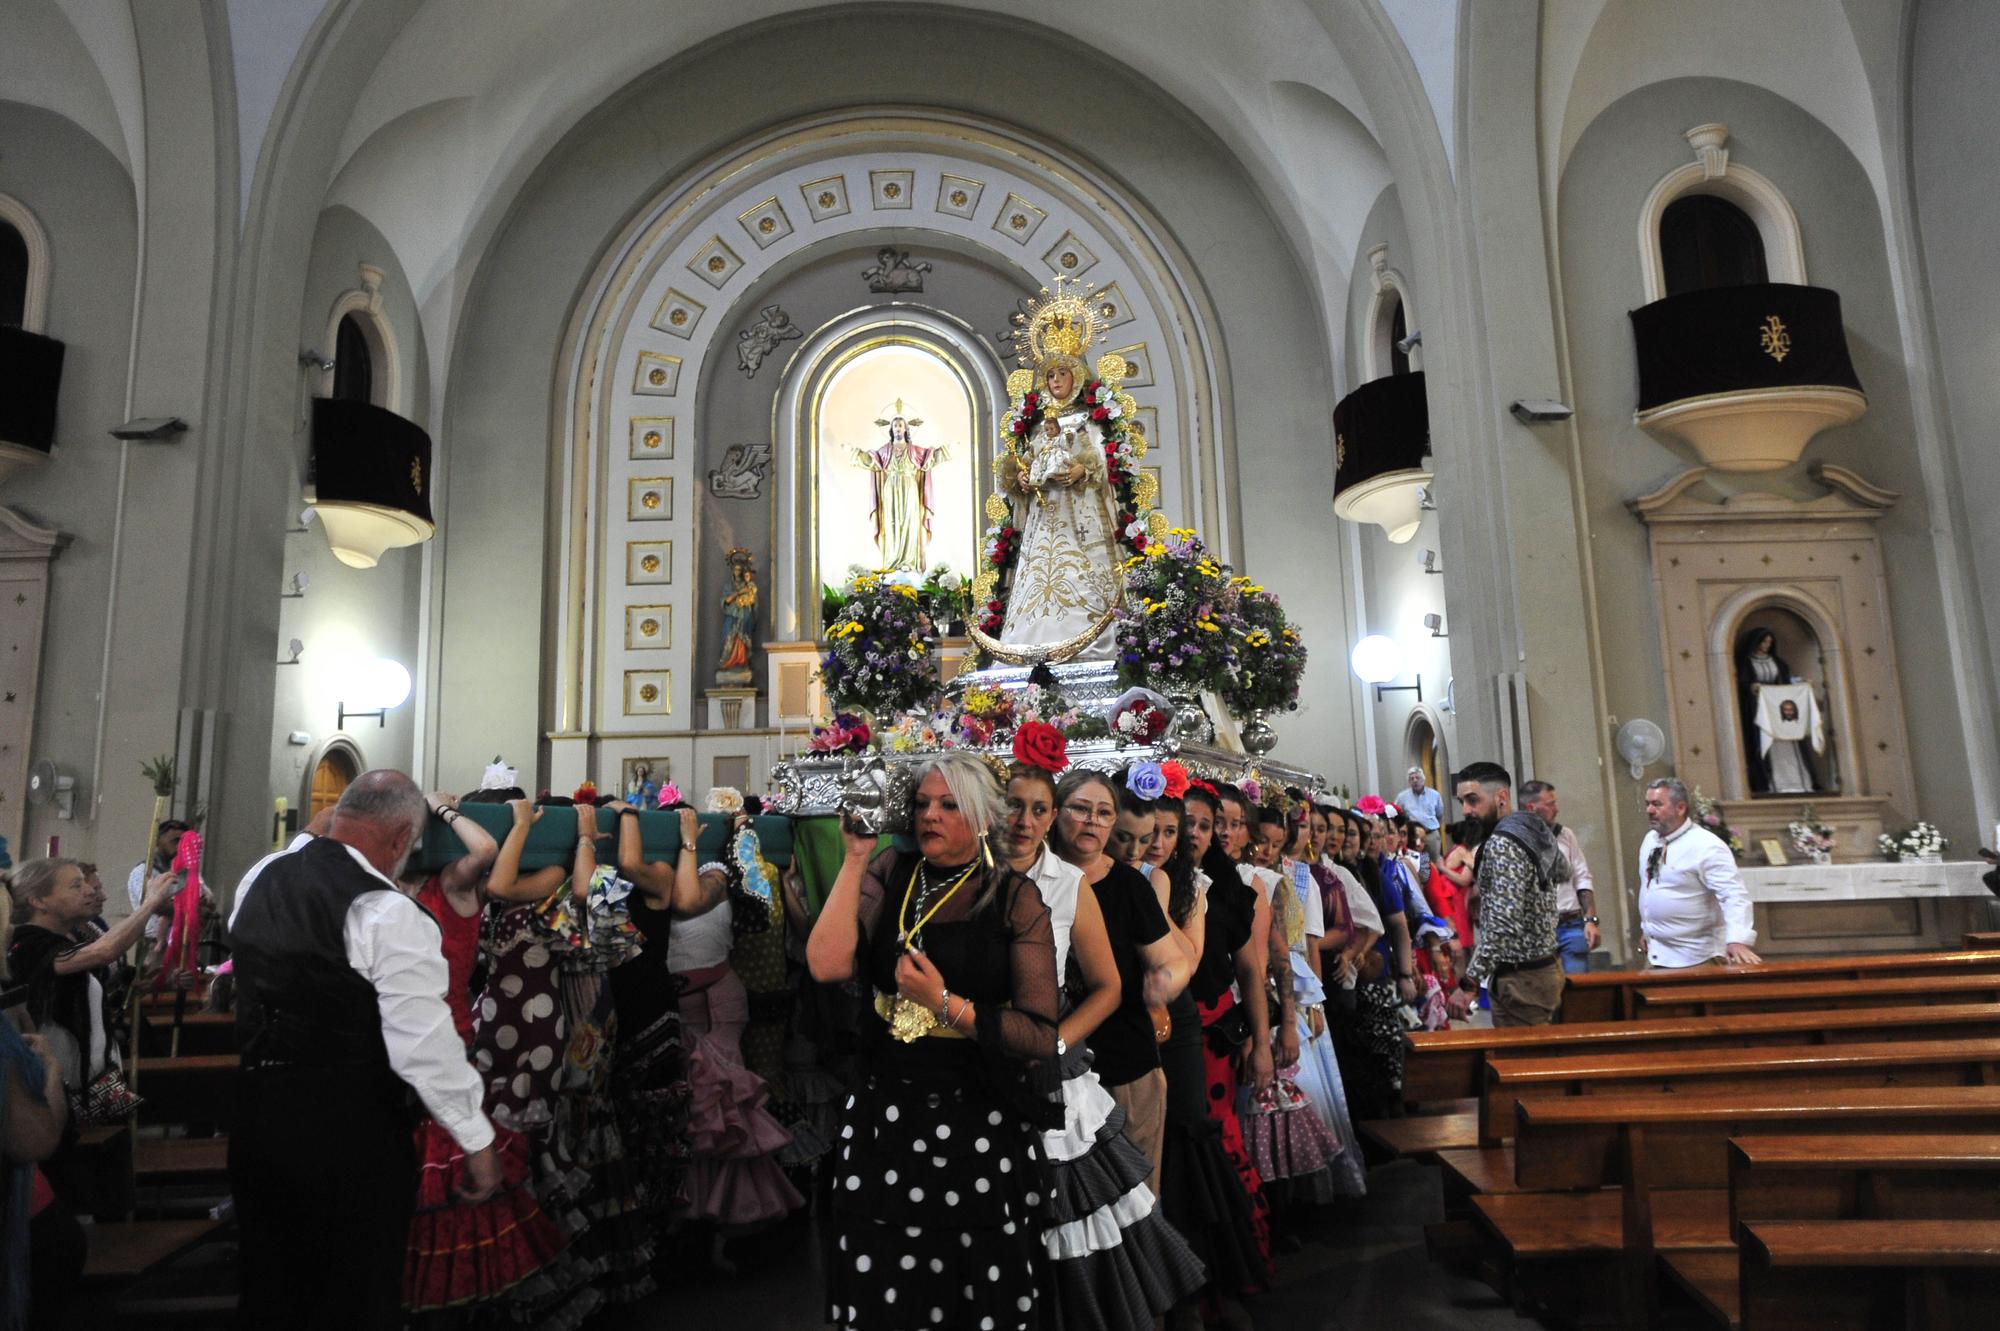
{"x":1062,"y":322}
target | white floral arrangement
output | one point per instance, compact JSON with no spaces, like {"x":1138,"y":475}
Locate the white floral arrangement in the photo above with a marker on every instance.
{"x":1811,"y":838}
{"x":1920,"y":841}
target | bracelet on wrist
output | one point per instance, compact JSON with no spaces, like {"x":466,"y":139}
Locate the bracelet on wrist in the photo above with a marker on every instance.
{"x":1590,"y":919}
{"x":628,"y":813}
{"x":944,"y":1007}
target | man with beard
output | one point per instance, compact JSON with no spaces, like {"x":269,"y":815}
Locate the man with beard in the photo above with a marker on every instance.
{"x":1693,"y":906}
{"x":1517,"y":872}
{"x":340,"y":1014}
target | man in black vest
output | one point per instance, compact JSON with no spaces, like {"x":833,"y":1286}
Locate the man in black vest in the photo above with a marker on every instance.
{"x":340,"y":1015}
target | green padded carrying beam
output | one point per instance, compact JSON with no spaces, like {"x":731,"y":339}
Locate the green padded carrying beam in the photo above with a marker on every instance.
{"x":553,"y":839}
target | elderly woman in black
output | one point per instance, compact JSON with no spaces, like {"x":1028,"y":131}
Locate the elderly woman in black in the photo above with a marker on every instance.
{"x":939,"y":1179}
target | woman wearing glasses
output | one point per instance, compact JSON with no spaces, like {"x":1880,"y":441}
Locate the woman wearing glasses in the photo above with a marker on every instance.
{"x":939,"y":1178}
{"x":1114,"y":1262}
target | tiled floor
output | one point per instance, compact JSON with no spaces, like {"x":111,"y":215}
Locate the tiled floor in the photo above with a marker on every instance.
{"x":1361,"y":1267}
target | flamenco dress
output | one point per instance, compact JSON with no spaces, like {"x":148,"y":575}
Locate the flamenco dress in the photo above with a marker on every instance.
{"x":463,"y":1253}
{"x":734,"y":1177}
{"x":939,"y":1178}
{"x":1114,"y":1262}
{"x":591,"y":936}
{"x":1288,"y":1135}
{"x":649,"y":1079}
{"x":1318,"y":1070}
{"x":1232,"y":907}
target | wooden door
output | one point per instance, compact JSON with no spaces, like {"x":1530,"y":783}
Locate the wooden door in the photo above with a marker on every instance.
{"x":333,"y":775}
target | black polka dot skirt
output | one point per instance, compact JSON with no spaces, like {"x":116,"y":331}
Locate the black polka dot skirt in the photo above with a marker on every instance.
{"x":935,"y":1189}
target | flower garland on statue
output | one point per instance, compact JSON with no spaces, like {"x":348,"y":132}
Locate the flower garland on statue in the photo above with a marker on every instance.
{"x":881,"y":633}
{"x":1112,"y":412}
{"x":1272,"y":660}
{"x":1180,"y":625}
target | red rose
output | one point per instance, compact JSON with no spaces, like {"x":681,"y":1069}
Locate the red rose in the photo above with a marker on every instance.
{"x":858,"y":734}
{"x":1177,"y":778}
{"x":1039,"y":744}
{"x":1100,"y":414}
{"x":1139,"y":543}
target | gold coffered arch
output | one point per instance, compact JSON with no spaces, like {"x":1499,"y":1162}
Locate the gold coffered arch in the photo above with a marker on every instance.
{"x":668,"y":288}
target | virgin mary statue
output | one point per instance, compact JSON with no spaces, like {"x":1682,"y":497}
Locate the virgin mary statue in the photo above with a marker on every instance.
{"x":1067,"y":579}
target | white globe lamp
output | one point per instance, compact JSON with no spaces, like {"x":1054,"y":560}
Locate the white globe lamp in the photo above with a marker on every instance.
{"x":377,"y":686}
{"x":1376,"y":659}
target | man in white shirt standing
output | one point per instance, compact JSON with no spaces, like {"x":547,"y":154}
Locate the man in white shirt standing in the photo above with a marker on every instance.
{"x":1693,"y":907}
{"x":340,"y":1015}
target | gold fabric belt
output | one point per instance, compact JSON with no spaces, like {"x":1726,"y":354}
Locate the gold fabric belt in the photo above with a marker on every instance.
{"x":885,"y":1009}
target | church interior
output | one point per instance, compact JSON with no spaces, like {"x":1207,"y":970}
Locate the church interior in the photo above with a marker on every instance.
{"x":561,"y":389}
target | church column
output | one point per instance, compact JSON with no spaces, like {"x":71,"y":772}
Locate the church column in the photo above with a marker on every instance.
{"x":149,"y":643}
{"x":1519,"y":588}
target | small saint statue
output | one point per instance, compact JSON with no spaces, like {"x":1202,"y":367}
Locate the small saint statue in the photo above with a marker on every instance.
{"x":904,"y":498}
{"x":739,"y":621}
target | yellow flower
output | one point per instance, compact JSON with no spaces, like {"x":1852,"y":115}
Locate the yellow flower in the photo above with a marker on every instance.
{"x":847,"y":630}
{"x":1155,"y":607}
{"x":1208,"y":626}
{"x":910,"y":592}
{"x":1257,"y":638}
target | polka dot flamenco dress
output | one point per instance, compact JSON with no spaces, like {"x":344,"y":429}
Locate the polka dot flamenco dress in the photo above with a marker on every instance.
{"x":937,"y":1176}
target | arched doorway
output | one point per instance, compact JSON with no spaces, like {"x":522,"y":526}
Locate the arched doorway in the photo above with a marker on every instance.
{"x":333,"y":773}
{"x":1423,"y":748}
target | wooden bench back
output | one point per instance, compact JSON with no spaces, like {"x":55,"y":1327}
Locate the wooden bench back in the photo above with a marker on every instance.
{"x":1692,"y":1000}
{"x":1451,"y":1065}
{"x":1606,"y":995}
{"x":1861,"y":1176}
{"x":1680,"y":1141}
{"x":1715,"y":1072}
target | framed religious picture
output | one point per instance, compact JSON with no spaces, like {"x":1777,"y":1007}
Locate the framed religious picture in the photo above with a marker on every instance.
{"x":1774,"y":852}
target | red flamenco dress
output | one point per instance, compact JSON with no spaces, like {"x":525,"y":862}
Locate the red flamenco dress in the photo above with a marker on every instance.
{"x":462,"y":1253}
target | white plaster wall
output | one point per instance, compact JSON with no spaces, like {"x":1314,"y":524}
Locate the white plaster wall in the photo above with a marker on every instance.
{"x":1616,"y":161}
{"x":348,"y":612}
{"x":83,"y":198}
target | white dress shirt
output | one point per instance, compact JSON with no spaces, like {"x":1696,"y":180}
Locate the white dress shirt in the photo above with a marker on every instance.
{"x":135,"y":888}
{"x":1695,"y":904}
{"x":1568,"y":902}
{"x":393,"y":943}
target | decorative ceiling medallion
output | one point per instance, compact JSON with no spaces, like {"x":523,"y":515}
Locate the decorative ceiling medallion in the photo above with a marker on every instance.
{"x":652,"y":437}
{"x":892,"y":190}
{"x":678,"y":314}
{"x":766,"y":224}
{"x":958,"y":196}
{"x":715,"y":263}
{"x":1019,"y":220}
{"x":648,"y":627}
{"x":649,"y":498}
{"x":825,"y":198}
{"x":1112,"y":307}
{"x":648,"y":692}
{"x":658,"y":374}
{"x":649,"y":563}
{"x":1774,"y":338}
{"x":1138,"y":365}
{"x":1070,"y":256}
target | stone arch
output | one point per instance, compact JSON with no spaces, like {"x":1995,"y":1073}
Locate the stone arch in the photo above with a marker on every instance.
{"x":35,"y":311}
{"x":1713,"y":172}
{"x":364,"y":304}
{"x":649,"y":323}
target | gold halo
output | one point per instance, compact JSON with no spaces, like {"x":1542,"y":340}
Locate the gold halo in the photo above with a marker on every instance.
{"x":1111,"y":368}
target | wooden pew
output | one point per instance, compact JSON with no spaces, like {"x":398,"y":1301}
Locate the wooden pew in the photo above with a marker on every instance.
{"x":1607,"y":995}
{"x":194,"y":1088}
{"x":1701,"y":1000}
{"x":201,"y":1032}
{"x":123,"y":1252}
{"x":1983,"y":941}
{"x":1667,"y":1155}
{"x":1830,"y":1275}
{"x":1770,"y":1068}
{"x":1845,"y":1176}
{"x":1448,"y":1065}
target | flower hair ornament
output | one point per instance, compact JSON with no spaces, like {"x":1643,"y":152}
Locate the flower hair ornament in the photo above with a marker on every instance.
{"x":724,"y":799}
{"x":1176,"y":776}
{"x":1146,"y":780}
{"x":499,"y":776}
{"x":670,"y":796}
{"x":1370,"y":805}
{"x":1040,"y":745}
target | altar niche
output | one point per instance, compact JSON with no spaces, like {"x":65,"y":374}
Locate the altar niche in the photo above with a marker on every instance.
{"x":1789,"y":750}
{"x":1728,"y":569}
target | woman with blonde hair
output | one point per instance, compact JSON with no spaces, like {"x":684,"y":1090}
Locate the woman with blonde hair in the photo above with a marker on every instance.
{"x":939,"y":1177}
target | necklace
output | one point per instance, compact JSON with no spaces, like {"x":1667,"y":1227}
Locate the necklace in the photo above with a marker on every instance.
{"x":909,"y":1020}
